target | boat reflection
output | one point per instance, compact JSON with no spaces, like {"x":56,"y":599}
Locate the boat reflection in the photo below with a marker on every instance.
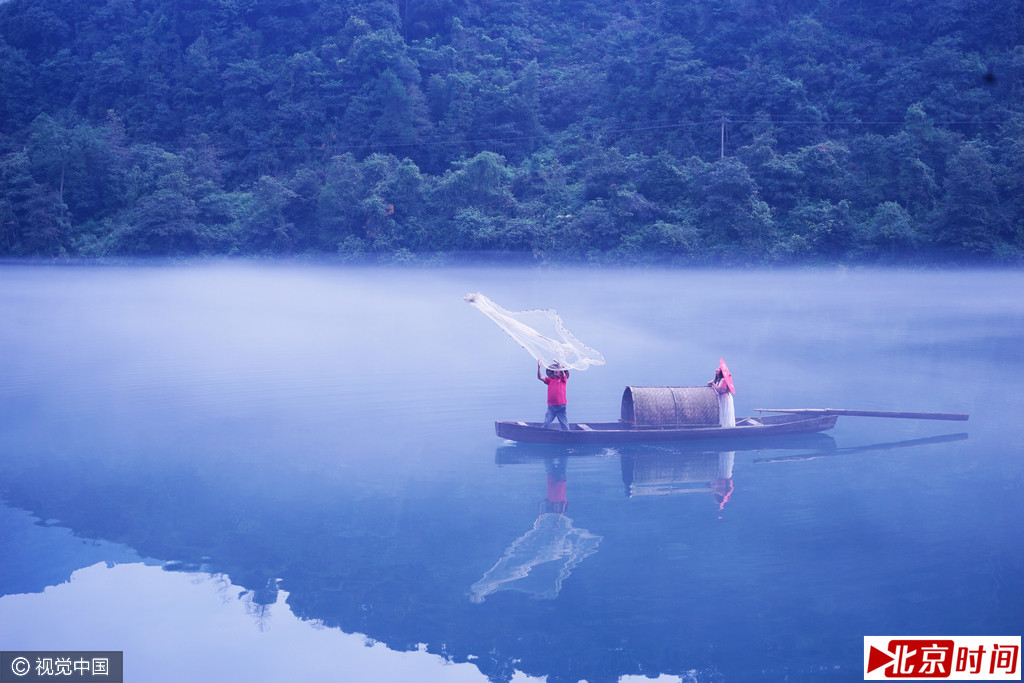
{"x":538,"y":562}
{"x":672,"y":473}
{"x":659,"y":470}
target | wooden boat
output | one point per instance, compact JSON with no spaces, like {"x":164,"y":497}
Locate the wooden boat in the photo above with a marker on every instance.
{"x":620,"y":432}
{"x":514,"y":453}
{"x":660,"y":414}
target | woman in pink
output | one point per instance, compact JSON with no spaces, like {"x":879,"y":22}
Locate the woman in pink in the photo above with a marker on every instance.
{"x":722,"y":383}
{"x":556,"y":380}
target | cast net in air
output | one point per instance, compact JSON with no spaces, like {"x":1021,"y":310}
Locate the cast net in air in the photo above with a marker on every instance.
{"x":541,"y":333}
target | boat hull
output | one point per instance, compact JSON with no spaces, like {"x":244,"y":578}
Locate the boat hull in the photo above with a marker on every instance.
{"x":619,"y":432}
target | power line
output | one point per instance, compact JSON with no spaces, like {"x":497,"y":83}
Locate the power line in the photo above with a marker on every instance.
{"x":721,"y":122}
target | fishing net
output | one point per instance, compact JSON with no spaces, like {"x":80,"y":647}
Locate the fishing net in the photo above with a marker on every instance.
{"x":541,"y":333}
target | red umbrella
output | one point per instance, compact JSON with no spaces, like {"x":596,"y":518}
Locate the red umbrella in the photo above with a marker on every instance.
{"x":726,"y":376}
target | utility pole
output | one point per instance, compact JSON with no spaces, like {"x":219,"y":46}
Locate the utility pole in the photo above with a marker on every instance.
{"x":723,"y":137}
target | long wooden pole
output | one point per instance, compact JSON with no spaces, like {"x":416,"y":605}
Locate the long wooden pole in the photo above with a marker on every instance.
{"x":946,"y":438}
{"x":868,"y":413}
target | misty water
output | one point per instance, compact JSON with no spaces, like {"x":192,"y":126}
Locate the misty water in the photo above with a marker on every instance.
{"x":283,"y":472}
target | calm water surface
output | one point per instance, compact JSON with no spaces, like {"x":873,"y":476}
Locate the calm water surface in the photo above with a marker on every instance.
{"x":290,"y":473}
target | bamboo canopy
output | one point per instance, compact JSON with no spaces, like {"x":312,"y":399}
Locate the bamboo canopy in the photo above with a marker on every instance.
{"x":670,"y":406}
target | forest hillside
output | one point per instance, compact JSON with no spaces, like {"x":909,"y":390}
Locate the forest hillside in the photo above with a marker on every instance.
{"x":640,"y":131}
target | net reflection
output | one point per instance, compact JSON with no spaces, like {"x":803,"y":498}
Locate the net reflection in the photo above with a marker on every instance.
{"x":538,"y":562}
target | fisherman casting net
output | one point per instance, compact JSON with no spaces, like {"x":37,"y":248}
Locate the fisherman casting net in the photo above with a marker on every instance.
{"x":541,"y":333}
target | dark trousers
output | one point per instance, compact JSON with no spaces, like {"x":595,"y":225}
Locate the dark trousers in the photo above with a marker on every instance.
{"x":556,"y":412}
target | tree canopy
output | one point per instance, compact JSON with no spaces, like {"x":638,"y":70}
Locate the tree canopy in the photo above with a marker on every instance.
{"x":697,"y":132}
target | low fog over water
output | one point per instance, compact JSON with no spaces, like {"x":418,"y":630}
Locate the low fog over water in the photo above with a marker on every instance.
{"x":321,"y":440}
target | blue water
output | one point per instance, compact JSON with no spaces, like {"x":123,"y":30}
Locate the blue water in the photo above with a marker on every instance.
{"x":290,"y":473}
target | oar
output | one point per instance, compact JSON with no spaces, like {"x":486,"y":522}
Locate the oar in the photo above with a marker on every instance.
{"x":867,"y":413}
{"x":946,"y":438}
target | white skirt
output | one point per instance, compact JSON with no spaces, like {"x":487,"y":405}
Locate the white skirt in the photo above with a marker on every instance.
{"x":726,"y":410}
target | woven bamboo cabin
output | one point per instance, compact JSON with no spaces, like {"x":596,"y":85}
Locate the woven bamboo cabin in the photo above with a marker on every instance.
{"x":676,"y":407}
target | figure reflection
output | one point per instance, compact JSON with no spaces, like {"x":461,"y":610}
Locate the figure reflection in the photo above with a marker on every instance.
{"x":538,"y":562}
{"x":670,"y":471}
{"x":723,"y":485}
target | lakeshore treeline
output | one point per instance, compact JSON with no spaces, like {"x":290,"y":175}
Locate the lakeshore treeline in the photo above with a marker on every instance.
{"x":686,"y":132}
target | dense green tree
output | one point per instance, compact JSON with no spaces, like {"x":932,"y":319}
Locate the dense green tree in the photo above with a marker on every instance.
{"x":483,"y":181}
{"x":593,"y":228}
{"x":824,"y":170}
{"x":337,"y":216}
{"x":1008,"y":175}
{"x":738,"y":131}
{"x":267,"y":228}
{"x":35,"y":220}
{"x":662,"y":179}
{"x":164,"y":222}
{"x":381,"y":232}
{"x":970,"y":218}
{"x":676,"y":242}
{"x":891,"y":235}
{"x":17,"y":78}
{"x":738,"y":226}
{"x":826,"y":228}
{"x":49,"y":148}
